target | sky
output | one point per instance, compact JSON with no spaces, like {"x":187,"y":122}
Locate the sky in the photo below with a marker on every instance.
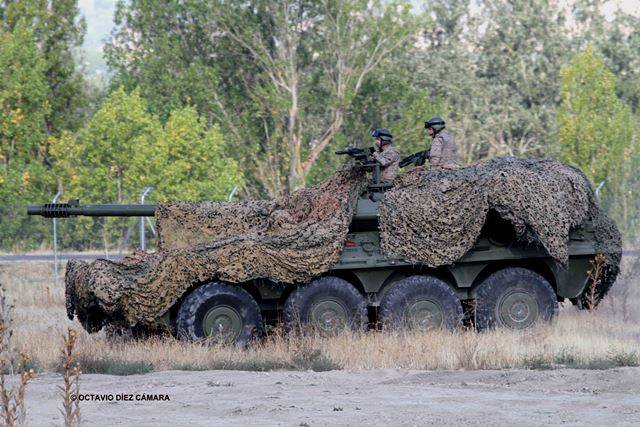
{"x":629,"y":6}
{"x":99,"y":16}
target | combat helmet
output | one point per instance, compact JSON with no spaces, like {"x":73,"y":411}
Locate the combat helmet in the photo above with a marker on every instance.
{"x":435,"y":122}
{"x":384,"y":134}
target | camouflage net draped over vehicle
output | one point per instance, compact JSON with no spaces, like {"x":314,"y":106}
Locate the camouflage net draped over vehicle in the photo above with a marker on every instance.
{"x":434,"y":216}
{"x":288,"y":239}
{"x":430,"y":216}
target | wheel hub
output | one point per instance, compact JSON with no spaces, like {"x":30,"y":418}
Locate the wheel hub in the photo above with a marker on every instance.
{"x":518,"y":310}
{"x":222,"y":323}
{"x":424,"y":315}
{"x":329,"y":316}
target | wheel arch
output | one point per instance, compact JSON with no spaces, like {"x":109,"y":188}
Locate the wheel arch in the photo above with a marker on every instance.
{"x":348,"y":276}
{"x":537,"y":265}
{"x":441,"y":273}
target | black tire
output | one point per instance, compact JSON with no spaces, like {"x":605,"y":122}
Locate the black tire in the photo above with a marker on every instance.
{"x":420,"y":303}
{"x":229,"y":308}
{"x":327,"y":305}
{"x":515,"y":298}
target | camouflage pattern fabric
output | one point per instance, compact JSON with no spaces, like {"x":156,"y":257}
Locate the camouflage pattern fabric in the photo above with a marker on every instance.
{"x":289,"y":239}
{"x":434,"y":216}
{"x":444,"y":153}
{"x":389,"y":160}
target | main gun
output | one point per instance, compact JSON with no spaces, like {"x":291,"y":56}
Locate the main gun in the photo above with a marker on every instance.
{"x":74,"y":208}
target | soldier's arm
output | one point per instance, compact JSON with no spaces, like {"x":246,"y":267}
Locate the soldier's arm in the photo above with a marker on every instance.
{"x":436,"y":152}
{"x":384,"y":158}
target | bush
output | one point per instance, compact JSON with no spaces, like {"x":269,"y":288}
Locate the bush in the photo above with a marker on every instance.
{"x":112,"y":366}
{"x":538,"y":362}
{"x":314,"y":360}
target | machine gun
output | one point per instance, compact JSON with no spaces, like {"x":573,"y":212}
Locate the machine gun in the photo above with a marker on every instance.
{"x":417,"y":159}
{"x":363,"y":160}
{"x":362,"y":155}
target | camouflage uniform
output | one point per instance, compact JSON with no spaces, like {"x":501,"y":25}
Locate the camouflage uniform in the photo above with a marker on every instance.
{"x":389,"y":159}
{"x":443,"y":151}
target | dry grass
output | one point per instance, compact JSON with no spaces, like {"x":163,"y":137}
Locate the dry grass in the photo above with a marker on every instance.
{"x":598,"y":265}
{"x":13,"y":411}
{"x":578,"y":339}
{"x":71,"y":380}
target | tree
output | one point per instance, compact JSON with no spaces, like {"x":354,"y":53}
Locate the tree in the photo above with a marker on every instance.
{"x":59,"y":31}
{"x":520,"y":53}
{"x":113,"y":156}
{"x":124,"y":148}
{"x":618,"y":41}
{"x":597,"y":133}
{"x":445,"y":67}
{"x":279,"y":77}
{"x":195,"y":165}
{"x":23,"y":142}
{"x":164,"y":49}
{"x":493,"y":68}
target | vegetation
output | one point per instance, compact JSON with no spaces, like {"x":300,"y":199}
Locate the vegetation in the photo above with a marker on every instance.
{"x":12,"y":407}
{"x":597,"y":133}
{"x":71,"y":381}
{"x":207,"y":95}
{"x":603,"y":339}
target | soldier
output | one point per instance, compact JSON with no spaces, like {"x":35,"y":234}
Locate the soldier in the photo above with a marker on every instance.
{"x":385,"y":154}
{"x":443,"y":146}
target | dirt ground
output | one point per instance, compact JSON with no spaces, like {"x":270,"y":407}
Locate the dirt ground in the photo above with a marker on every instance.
{"x":377,"y":397}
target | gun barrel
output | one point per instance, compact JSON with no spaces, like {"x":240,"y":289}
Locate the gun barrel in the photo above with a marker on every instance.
{"x":64,"y":210}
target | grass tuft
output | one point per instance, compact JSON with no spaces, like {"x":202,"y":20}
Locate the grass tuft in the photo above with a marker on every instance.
{"x":71,"y":380}
{"x":112,"y":366}
{"x":620,"y":357}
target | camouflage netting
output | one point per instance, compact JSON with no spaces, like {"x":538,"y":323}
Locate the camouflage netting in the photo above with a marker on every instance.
{"x":434,"y":217}
{"x":289,"y":239}
{"x":431,"y":217}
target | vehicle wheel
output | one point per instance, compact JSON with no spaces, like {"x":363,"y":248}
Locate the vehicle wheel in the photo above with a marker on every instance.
{"x":420,"y":303}
{"x":515,"y":298}
{"x":328,"y":305}
{"x":220,"y":312}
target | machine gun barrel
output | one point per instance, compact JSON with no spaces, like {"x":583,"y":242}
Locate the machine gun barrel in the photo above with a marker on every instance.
{"x":65,"y":210}
{"x":417,"y":159}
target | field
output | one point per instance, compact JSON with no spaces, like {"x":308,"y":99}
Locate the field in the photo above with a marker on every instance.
{"x":568,"y":357}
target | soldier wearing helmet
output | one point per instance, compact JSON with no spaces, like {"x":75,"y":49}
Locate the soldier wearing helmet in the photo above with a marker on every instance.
{"x":385,"y":154}
{"x":443,"y":145}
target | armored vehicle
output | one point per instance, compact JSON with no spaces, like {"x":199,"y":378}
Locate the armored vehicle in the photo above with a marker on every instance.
{"x":500,"y":282}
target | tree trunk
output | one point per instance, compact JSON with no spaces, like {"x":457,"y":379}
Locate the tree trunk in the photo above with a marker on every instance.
{"x":297,"y":177}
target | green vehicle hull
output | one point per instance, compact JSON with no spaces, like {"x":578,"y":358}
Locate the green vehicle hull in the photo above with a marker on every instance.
{"x":363,"y":265}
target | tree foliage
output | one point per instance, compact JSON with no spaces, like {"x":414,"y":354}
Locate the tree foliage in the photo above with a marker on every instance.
{"x":289,"y":75}
{"x":58,"y":30}
{"x":618,"y":41}
{"x":597,"y":132}
{"x":23,"y":141}
{"x":124,"y":148}
{"x":192,"y":162}
{"x":206,"y":95}
{"x":496,"y":68}
{"x":111,"y":159}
